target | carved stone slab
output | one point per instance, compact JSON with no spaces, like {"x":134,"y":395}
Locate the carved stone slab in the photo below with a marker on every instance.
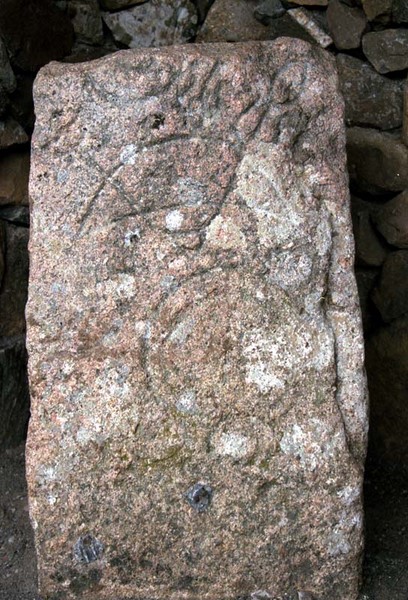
{"x":199,"y":417}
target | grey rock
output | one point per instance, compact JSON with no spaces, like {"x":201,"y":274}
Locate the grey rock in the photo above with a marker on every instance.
{"x":14,"y":395}
{"x":404,"y":133}
{"x":18,"y":215}
{"x":371,"y":251}
{"x":119,"y":4}
{"x":366,"y":281}
{"x":14,"y":174}
{"x":156,"y":23}
{"x":310,"y":25}
{"x":269,"y":9}
{"x":378,"y":8}
{"x":234,"y":21}
{"x":391,"y":220}
{"x":11,"y":133}
{"x":34,"y":32}
{"x":387,"y":50}
{"x":370,"y":98}
{"x":400,"y":11}
{"x":2,"y":251}
{"x":86,"y":20}
{"x":377,"y":161}
{"x":387,"y":369}
{"x":346,"y":25}
{"x":391,"y":294}
{"x":13,"y":292}
{"x":7,"y":78}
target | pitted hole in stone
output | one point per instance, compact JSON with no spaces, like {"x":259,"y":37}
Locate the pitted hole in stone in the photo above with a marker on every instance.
{"x":88,"y":549}
{"x":199,"y":497}
{"x":158,"y":120}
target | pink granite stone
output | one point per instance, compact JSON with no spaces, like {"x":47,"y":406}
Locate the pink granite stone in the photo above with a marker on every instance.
{"x":199,"y":419}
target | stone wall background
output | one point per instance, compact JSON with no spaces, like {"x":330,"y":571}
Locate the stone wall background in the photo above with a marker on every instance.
{"x":369,"y":39}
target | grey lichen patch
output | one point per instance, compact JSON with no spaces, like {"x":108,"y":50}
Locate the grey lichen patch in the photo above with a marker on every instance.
{"x":88,"y":549}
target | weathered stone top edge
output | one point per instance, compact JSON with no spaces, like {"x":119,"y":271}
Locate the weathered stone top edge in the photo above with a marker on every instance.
{"x":300,"y":47}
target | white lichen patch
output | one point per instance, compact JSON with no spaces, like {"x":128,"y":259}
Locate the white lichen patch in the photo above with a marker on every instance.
{"x":261,"y":375}
{"x":123,"y":287}
{"x":191,"y":192}
{"x":181,"y":332}
{"x":224,"y":234}
{"x":128,"y":155}
{"x":268,"y":187}
{"x":187,"y":402}
{"x":273,"y":357}
{"x":174,"y":220}
{"x":313,"y":446}
{"x":232,"y":444}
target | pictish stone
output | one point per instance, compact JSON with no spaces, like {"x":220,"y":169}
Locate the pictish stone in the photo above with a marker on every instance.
{"x":196,"y":356}
{"x":371,"y":99}
{"x":387,"y":50}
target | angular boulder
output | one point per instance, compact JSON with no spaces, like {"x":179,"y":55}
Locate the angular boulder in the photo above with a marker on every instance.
{"x":194,"y":336}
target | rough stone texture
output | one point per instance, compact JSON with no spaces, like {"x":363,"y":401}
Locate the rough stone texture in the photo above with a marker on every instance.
{"x":404,"y":134}
{"x":346,"y":24}
{"x":35,"y":32}
{"x":19,"y":215}
{"x":391,"y":294}
{"x":377,"y":8}
{"x":14,"y":172}
{"x":377,"y":161}
{"x":11,"y":133}
{"x":370,"y":249}
{"x":311,"y":26}
{"x":268,"y":10}
{"x":387,"y":50}
{"x":392,"y":220}
{"x":156,"y":23}
{"x":308,"y":2}
{"x":119,"y":4}
{"x":13,"y":292}
{"x":386,"y":357}
{"x":86,"y":20}
{"x":371,"y":99}
{"x":2,"y":251}
{"x":235,"y":21}
{"x":7,"y":78}
{"x":400,"y":11}
{"x":14,"y":396}
{"x":193,"y":328}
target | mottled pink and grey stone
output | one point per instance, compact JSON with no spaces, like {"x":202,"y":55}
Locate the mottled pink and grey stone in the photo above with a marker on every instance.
{"x":199,"y":420}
